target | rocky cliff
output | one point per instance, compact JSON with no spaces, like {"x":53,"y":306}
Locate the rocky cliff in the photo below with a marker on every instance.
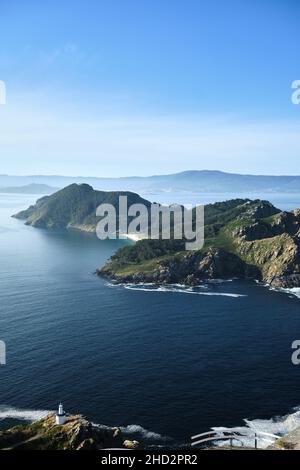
{"x":243,"y":239}
{"x":76,"y":434}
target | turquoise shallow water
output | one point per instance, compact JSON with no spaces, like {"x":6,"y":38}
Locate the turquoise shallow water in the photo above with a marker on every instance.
{"x":173,"y":361}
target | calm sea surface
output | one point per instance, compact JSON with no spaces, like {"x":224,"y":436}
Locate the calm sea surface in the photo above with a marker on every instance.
{"x":171,"y":361}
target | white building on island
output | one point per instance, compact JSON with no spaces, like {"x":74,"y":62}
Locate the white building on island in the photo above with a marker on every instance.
{"x":60,"y":417}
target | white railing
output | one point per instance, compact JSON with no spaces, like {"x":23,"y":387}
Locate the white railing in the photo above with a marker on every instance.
{"x":233,"y":434}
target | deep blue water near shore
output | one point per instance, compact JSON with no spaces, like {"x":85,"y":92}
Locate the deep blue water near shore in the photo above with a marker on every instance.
{"x":174,"y":362}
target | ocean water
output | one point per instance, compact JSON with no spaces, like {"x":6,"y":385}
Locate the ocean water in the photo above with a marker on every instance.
{"x":163,"y":363}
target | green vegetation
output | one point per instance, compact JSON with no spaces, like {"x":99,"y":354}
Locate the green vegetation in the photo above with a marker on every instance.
{"x":74,"y":207}
{"x":76,"y":434}
{"x":243,"y":238}
{"x":147,"y":249}
{"x":222,"y":219}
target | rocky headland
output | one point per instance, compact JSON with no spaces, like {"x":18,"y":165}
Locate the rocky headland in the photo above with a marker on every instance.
{"x":244,"y":239}
{"x":76,"y":434}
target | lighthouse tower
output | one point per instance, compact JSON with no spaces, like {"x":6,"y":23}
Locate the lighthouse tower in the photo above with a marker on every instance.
{"x":60,"y":417}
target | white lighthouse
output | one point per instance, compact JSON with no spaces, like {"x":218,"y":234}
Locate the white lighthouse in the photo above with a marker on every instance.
{"x":60,"y":417}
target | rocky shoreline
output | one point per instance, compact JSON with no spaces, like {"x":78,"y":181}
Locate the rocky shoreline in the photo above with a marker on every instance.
{"x":191,"y":270}
{"x":76,"y":434}
{"x":196,"y":268}
{"x":245,"y":240}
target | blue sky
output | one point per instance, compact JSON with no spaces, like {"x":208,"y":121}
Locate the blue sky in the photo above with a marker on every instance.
{"x":122,"y":87}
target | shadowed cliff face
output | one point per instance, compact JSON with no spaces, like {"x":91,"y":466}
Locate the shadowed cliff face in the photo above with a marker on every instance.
{"x":188,"y":268}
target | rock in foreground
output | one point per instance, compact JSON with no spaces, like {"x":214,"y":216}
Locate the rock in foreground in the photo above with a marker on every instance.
{"x":76,"y":434}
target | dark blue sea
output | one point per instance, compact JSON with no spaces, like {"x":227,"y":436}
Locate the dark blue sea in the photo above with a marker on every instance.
{"x":162,"y":363}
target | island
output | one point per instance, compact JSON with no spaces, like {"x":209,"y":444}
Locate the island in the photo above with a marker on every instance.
{"x":74,"y":207}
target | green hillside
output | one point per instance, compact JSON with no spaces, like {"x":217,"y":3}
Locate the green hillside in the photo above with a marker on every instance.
{"x":74,"y":207}
{"x":243,"y":238}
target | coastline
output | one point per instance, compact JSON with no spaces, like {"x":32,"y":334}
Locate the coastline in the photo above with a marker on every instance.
{"x":39,"y":432}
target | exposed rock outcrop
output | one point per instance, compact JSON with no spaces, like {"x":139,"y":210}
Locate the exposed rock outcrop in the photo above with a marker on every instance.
{"x":248,"y":240}
{"x":76,"y":434}
{"x":191,"y":269}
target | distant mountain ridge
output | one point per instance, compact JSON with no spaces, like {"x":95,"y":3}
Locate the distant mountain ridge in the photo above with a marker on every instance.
{"x":208,"y":181}
{"x":32,"y":188}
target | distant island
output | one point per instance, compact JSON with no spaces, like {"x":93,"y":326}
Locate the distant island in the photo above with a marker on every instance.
{"x":202,"y":181}
{"x":245,"y":239}
{"x":74,"y":207}
{"x":32,"y":188}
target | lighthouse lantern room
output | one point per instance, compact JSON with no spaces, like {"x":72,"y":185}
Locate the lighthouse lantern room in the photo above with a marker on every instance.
{"x":60,"y":417}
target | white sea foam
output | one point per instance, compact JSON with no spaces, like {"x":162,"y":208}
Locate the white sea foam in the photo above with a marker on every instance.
{"x":181,"y":290}
{"x":138,"y":432}
{"x":219,"y":281}
{"x":224,"y":294}
{"x":135,"y":429}
{"x":278,"y":425}
{"x":293,"y":291}
{"x":7,"y":412}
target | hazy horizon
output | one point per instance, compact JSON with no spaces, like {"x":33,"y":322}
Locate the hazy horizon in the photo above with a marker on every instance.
{"x":36,"y":175}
